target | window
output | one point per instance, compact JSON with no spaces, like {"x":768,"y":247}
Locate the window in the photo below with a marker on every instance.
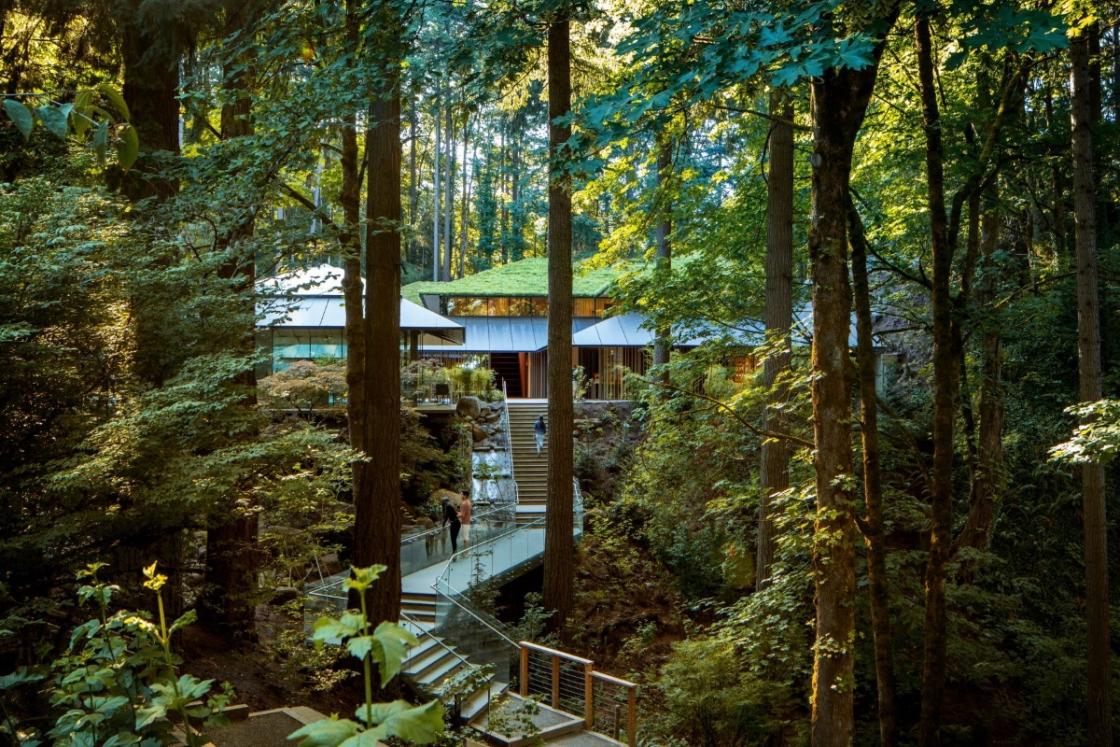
{"x":498,"y":306}
{"x":583,"y":307}
{"x":520,"y":307}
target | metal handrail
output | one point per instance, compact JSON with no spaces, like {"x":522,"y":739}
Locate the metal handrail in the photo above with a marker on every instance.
{"x":493,"y":508}
{"x":508,"y":433}
{"x":479,"y":617}
{"x":443,"y":580}
{"x":439,"y":641}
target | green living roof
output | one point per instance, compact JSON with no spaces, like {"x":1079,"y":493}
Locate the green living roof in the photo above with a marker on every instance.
{"x":526,"y":277}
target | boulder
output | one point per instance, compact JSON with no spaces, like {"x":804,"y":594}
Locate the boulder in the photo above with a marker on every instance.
{"x":437,"y":497}
{"x":283,"y":595}
{"x":469,"y":407}
{"x":478,"y":434}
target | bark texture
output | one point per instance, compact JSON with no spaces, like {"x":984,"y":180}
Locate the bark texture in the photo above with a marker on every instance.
{"x":944,"y":383}
{"x":351,"y":244}
{"x":232,"y":558}
{"x":774,"y":455}
{"x":664,"y":259}
{"x":1089,"y":356}
{"x":839,"y":103}
{"x":559,"y":550}
{"x":378,"y":520}
{"x":874,"y":537}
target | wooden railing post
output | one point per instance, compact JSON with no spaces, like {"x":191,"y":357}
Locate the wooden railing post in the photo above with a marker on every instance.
{"x":555,"y":681}
{"x":524,"y":672}
{"x":632,"y":717}
{"x":588,"y":697}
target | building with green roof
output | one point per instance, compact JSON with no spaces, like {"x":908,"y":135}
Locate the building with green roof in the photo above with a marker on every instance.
{"x":504,"y":312}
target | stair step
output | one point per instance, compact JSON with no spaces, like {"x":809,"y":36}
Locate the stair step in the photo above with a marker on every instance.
{"x":421,"y":649}
{"x":441,"y":672}
{"x":431,"y":659}
{"x":478,"y":700}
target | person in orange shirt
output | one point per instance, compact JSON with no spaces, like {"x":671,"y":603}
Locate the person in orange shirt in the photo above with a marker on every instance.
{"x":465,"y":515}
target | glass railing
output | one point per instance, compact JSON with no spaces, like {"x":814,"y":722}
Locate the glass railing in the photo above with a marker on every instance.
{"x":433,"y":546}
{"x":466,"y":588}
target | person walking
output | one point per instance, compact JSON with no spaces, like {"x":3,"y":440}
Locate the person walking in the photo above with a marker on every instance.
{"x":451,"y":516}
{"x":465,"y":507}
{"x":540,"y":430}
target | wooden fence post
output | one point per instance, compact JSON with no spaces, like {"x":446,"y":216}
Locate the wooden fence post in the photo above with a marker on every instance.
{"x":524,"y":672}
{"x":588,"y":698}
{"x":632,"y":717}
{"x":555,"y":681}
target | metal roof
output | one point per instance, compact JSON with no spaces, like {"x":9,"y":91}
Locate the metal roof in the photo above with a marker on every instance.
{"x":500,"y":334}
{"x":633,"y":330}
{"x":312,"y":298}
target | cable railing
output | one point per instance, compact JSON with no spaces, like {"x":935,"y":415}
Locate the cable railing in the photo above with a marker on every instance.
{"x":569,"y":683}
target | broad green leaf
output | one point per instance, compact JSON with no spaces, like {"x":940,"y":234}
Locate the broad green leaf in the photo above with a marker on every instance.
{"x":360,"y":646}
{"x":86,"y":629}
{"x":19,"y":677}
{"x":192,"y":688}
{"x":363,"y":578}
{"x":21,"y":117}
{"x":79,"y":116}
{"x":128,"y":148}
{"x":110,"y":705}
{"x":56,"y":119}
{"x":115,"y":98}
{"x":364,"y":739}
{"x":149,"y":715}
{"x":336,"y":630}
{"x":393,"y":643}
{"x":188,"y":618}
{"x":101,"y":140}
{"x":417,"y":724}
{"x":327,"y":732}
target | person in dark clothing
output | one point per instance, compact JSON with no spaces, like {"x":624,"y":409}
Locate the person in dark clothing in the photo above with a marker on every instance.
{"x":451,"y":516}
{"x":540,"y":430}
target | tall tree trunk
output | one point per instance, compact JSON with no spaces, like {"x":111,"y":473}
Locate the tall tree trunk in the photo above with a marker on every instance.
{"x":874,"y":536}
{"x":378,"y":521}
{"x":351,"y":241}
{"x":503,"y":197}
{"x":437,"y":212}
{"x":227,"y":603}
{"x":987,"y":482}
{"x":839,"y":103}
{"x":415,"y":255}
{"x":662,"y":240}
{"x":1089,"y":356}
{"x":517,"y":209}
{"x":944,"y":381}
{"x":774,"y":454}
{"x":449,"y":191}
{"x":151,"y":86}
{"x":466,"y":201}
{"x":559,"y":548}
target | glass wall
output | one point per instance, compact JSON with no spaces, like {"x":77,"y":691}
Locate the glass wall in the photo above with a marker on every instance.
{"x":507,"y":306}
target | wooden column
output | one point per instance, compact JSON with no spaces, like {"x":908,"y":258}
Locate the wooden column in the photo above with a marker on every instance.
{"x":524,"y":672}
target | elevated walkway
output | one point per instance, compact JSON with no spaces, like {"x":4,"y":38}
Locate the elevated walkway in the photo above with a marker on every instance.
{"x":465,"y":655}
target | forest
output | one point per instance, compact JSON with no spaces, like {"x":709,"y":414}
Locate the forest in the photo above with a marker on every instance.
{"x":581,"y":372}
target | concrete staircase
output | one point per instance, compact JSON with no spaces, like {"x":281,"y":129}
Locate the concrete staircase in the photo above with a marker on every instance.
{"x":432,"y":664}
{"x":529,"y":468}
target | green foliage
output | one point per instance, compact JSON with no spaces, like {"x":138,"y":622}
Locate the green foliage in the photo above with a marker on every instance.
{"x":385,"y":646}
{"x":118,"y":681}
{"x":529,"y":277}
{"x":100,"y":110}
{"x":1096,"y":438}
